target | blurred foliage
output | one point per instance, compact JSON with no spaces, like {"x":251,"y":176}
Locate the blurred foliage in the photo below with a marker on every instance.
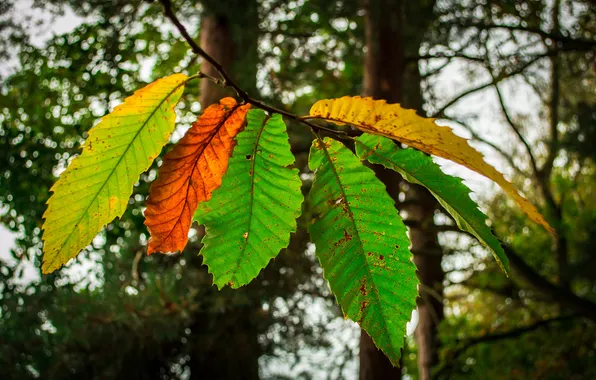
{"x":114,"y":312}
{"x":505,"y":327}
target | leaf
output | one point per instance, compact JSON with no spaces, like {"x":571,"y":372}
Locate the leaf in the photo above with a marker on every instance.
{"x":189,"y":174}
{"x":250,"y":217}
{"x":96,"y":186}
{"x":417,"y":167}
{"x":404,"y":125}
{"x":361,"y":242}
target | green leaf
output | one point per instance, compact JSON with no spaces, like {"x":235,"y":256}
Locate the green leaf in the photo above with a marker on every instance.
{"x":454,"y":196}
{"x":361,"y":242}
{"x":250,"y":217}
{"x":96,"y":186}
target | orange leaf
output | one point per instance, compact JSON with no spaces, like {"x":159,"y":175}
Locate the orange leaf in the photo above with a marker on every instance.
{"x":191,"y":171}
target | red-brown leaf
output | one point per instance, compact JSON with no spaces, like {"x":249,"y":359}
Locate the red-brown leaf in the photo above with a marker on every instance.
{"x":191,"y":171}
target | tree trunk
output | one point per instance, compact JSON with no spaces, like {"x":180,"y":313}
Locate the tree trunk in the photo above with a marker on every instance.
{"x":383,"y":68}
{"x":216,"y":40}
{"x":225,"y":345}
{"x":427,"y":256}
{"x":420,"y":209}
{"x":393,"y":29}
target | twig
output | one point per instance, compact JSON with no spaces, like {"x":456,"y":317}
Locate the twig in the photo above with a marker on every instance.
{"x":496,"y":80}
{"x":134,"y":272}
{"x":226,"y":80}
{"x":496,"y":147}
{"x":569,"y":42}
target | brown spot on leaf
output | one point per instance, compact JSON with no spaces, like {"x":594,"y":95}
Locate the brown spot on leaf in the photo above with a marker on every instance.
{"x":347,"y":236}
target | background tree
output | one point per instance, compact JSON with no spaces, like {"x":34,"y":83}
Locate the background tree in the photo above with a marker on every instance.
{"x":530,"y":48}
{"x":160,"y":311}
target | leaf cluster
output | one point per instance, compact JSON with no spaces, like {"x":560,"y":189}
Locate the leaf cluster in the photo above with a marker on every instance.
{"x":234,"y":173}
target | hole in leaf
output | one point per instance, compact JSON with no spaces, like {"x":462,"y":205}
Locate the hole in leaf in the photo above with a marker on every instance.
{"x":248,"y":156}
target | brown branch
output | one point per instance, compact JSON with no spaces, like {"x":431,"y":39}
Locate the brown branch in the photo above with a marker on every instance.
{"x":517,"y":131}
{"x":444,"y":55}
{"x":134,"y":272}
{"x":519,"y":70}
{"x":562,"y":296}
{"x":480,"y":59}
{"x":489,"y":338}
{"x":568,"y":42}
{"x":227,"y":81}
{"x":558,"y":294}
{"x":497,"y":148}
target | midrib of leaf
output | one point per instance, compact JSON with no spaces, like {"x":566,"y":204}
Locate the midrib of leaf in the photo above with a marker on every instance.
{"x":369,"y":272}
{"x":194,"y":164}
{"x":252,"y":191}
{"x":119,"y":161}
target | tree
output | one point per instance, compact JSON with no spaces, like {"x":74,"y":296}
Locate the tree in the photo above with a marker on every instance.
{"x":124,"y":295}
{"x":546,"y":52}
{"x":194,"y":177}
{"x":388,"y":26}
{"x":362,"y":143}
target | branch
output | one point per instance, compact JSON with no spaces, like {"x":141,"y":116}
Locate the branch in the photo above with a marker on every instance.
{"x":497,"y":148}
{"x":444,"y":55}
{"x":495,"y":80}
{"x":568,"y":42}
{"x":469,"y":343}
{"x":564,"y":297}
{"x":518,"y":54}
{"x":517,"y":131}
{"x":227,"y":81}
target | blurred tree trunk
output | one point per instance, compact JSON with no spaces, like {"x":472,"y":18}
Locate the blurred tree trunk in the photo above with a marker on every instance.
{"x":226,"y":342}
{"x":393,"y":29}
{"x":216,"y":40}
{"x":420,"y":206}
{"x":383,"y":69}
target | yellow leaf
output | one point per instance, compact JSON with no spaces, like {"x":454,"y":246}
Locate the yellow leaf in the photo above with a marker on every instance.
{"x":96,"y":186}
{"x":404,"y":125}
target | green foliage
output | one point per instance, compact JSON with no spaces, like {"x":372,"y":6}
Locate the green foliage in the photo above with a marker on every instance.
{"x":28,"y":131}
{"x":250,"y":217}
{"x":362,"y":245}
{"x":452,"y":194}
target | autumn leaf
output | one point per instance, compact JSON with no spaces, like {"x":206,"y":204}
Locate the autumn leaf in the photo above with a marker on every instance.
{"x":417,"y":167}
{"x":250,"y":217}
{"x":189,"y":174}
{"x":404,"y":125}
{"x":96,"y":186}
{"x":361,"y":242}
